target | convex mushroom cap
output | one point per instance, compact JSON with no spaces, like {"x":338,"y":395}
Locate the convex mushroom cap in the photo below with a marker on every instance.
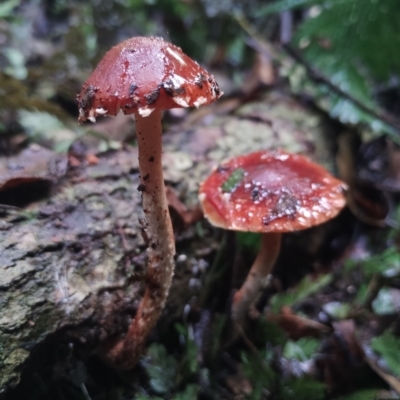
{"x":271,"y":191}
{"x":142,"y":74}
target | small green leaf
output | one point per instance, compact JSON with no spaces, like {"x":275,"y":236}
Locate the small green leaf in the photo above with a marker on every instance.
{"x":383,"y":304}
{"x":189,"y":364}
{"x":337,"y":310}
{"x":259,"y":373}
{"x":304,"y":289}
{"x":161,"y":368}
{"x":388,"y":345}
{"x":234,"y":179}
{"x":303,"y":389}
{"x":301,"y":350}
{"x":362,"y":294}
{"x":40,"y":124}
{"x":387,"y":264}
{"x":6,"y":8}
{"x":16,"y":67}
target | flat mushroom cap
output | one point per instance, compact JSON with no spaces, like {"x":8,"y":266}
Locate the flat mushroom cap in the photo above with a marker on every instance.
{"x":271,"y":191}
{"x":144,"y":73}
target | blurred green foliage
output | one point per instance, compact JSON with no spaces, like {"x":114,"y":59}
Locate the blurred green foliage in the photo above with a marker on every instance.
{"x":386,"y":263}
{"x":7,"y":8}
{"x":267,"y":383}
{"x":303,"y":289}
{"x":387,"y":345}
{"x":301,"y":350}
{"x":384,"y":302}
{"x":258,"y":370}
{"x":161,"y":368}
{"x":337,"y":310}
{"x":303,"y":389}
{"x":167,"y":372}
{"x":354,"y":44}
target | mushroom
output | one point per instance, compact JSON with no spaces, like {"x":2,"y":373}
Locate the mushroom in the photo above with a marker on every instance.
{"x":270,"y":192}
{"x":143,"y":76}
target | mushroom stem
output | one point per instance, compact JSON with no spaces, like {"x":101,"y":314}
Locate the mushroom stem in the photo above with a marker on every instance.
{"x":256,"y":278}
{"x":161,"y":244}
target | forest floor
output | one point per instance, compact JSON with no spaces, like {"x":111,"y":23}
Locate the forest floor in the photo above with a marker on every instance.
{"x":73,"y":259}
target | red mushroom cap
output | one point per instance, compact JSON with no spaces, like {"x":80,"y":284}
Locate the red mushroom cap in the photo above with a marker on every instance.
{"x":271,"y":191}
{"x":144,"y":73}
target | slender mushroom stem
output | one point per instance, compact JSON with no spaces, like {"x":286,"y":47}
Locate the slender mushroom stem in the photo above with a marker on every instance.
{"x":161,"y":245}
{"x":256,"y":278}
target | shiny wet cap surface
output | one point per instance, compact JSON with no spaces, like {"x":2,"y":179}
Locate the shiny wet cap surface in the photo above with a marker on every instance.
{"x":142,"y":74}
{"x":271,"y":191}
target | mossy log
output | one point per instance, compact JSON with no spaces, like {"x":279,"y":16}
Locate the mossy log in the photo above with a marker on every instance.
{"x":73,"y":263}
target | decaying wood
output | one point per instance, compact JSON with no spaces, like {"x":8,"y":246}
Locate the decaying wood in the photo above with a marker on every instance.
{"x":73,"y":263}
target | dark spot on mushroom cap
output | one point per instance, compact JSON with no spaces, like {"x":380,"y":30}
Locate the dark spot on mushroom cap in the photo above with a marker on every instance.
{"x":285,"y":207}
{"x":146,"y":177}
{"x":87,"y":97}
{"x":132,"y":89}
{"x":153,"y":96}
{"x":199,"y":80}
{"x":141,"y":188}
{"x":256,"y":194}
{"x":151,"y":159}
{"x":171,"y":90}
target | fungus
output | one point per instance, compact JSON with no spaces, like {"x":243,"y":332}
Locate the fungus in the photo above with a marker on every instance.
{"x":143,"y":76}
{"x":270,"y":192}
